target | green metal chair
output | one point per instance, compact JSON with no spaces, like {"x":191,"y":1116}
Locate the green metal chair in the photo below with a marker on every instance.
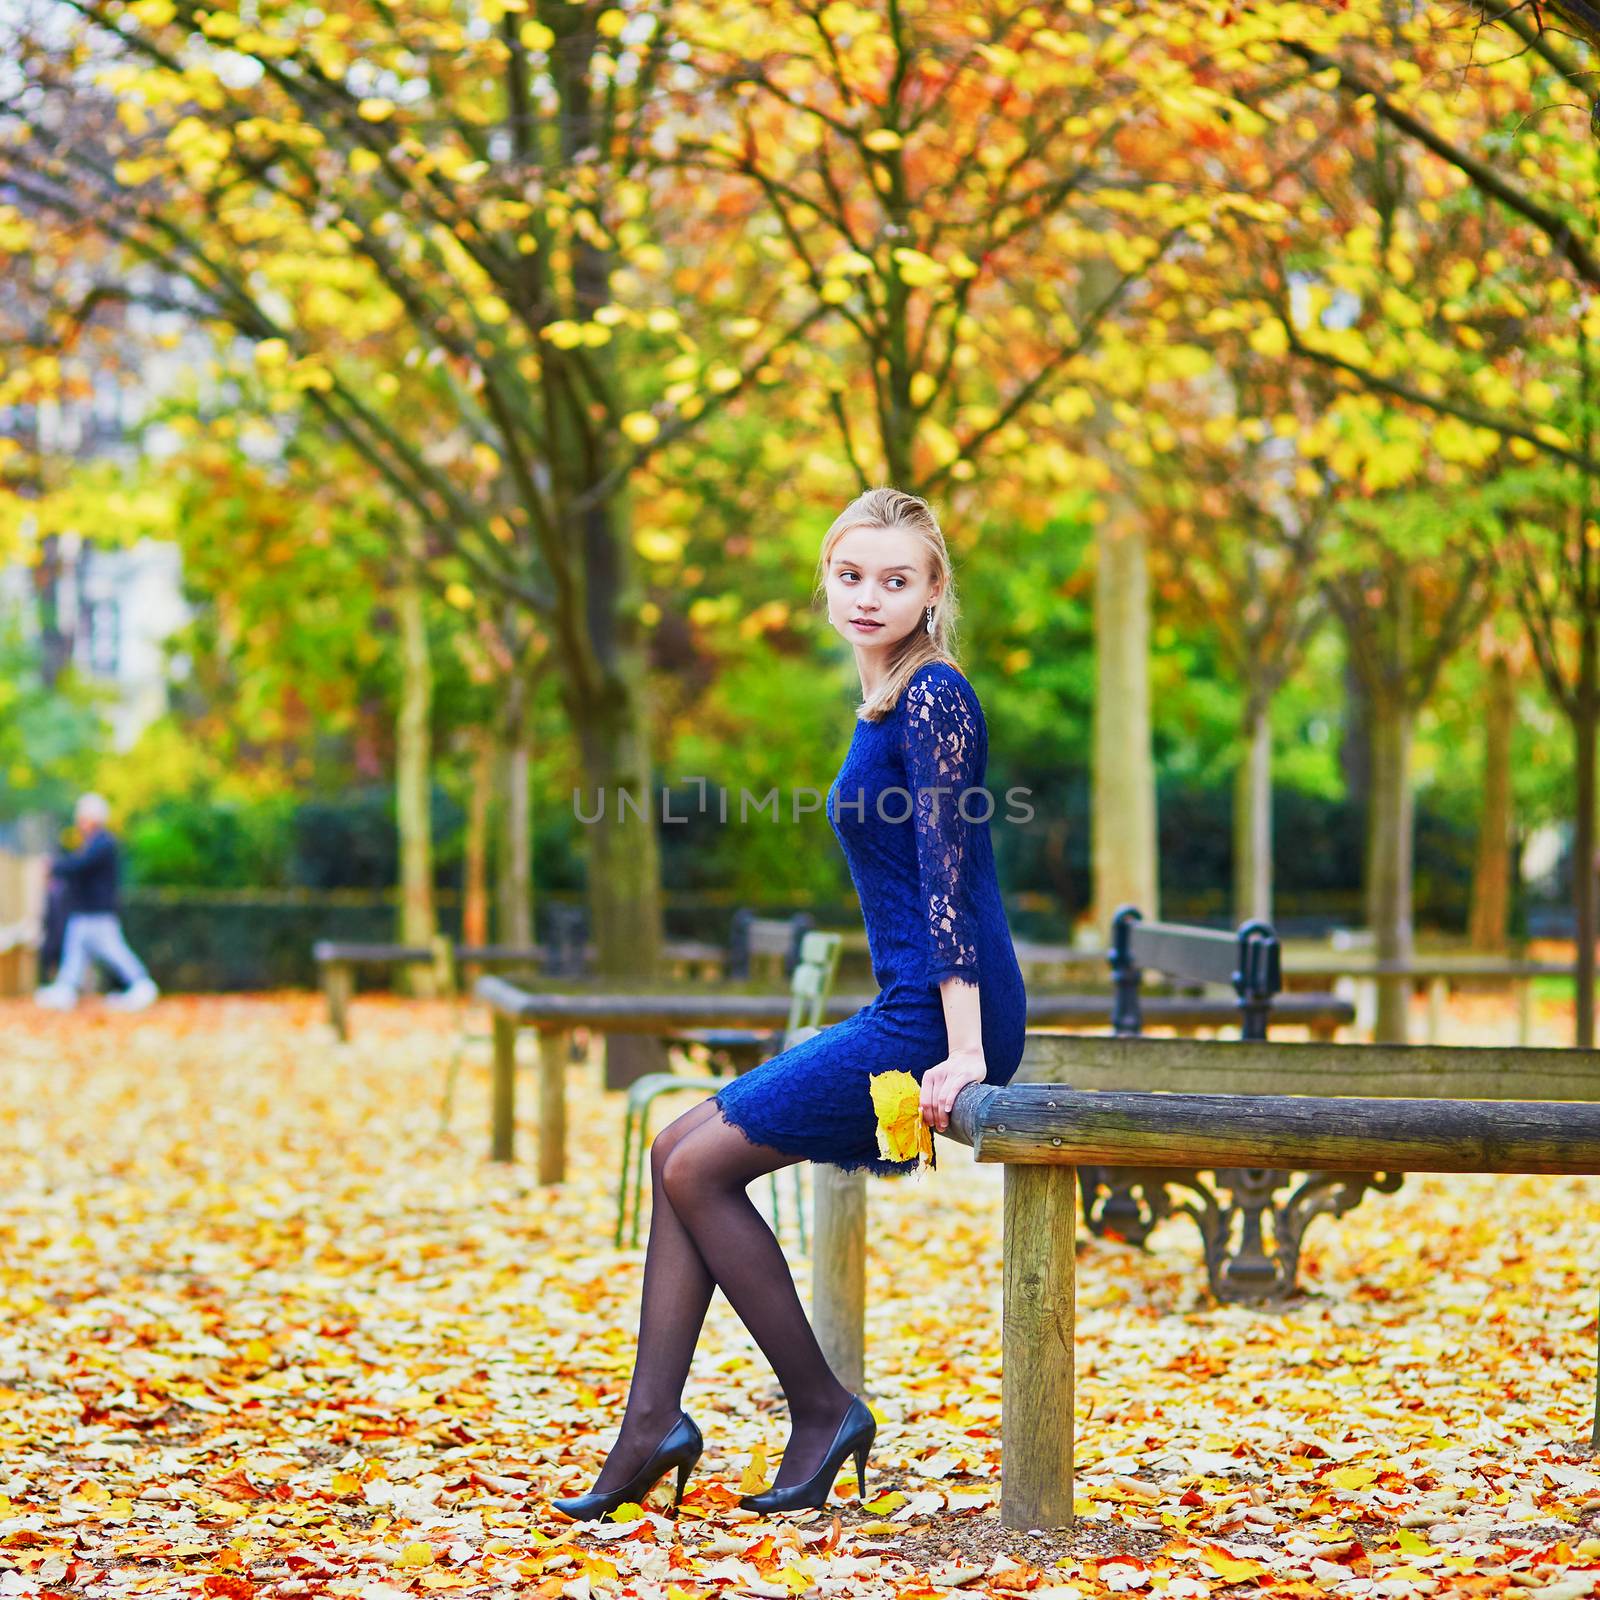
{"x":810,"y":984}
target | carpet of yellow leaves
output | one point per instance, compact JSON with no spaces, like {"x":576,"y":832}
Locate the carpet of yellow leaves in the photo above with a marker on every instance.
{"x":263,"y":1331}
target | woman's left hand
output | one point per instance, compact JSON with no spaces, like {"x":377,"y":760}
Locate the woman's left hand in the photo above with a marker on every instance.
{"x":941,"y":1085}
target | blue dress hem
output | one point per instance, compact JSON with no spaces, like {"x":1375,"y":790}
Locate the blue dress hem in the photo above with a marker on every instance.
{"x":879,"y":1168}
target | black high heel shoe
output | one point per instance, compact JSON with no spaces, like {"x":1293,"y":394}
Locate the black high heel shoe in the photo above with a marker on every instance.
{"x":854,"y":1437}
{"x":681,"y":1449}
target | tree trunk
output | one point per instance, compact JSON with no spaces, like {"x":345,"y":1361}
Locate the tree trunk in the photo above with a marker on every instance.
{"x":516,"y":843}
{"x":1389,"y":855}
{"x":1490,"y":920}
{"x":1252,"y":815}
{"x":475,"y":868}
{"x":1583,"y":863}
{"x":1355,"y":749}
{"x":514,"y":855}
{"x":624,"y":875}
{"x":1124,"y":809}
{"x":413,"y":781}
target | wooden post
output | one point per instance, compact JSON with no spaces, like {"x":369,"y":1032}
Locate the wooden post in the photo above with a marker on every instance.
{"x":1438,"y":990}
{"x":839,"y":1270}
{"x":338,"y":981}
{"x":444,"y":966}
{"x":1036,"y":1373}
{"x":552,"y":1106}
{"x":503,"y":1110}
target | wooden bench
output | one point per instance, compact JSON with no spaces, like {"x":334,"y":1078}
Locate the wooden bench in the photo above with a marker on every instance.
{"x":1127,"y":1203}
{"x":337,"y":963}
{"x":1252,"y":1071}
{"x":1438,"y":973}
{"x":620,"y":1005}
{"x":1043,"y":1132}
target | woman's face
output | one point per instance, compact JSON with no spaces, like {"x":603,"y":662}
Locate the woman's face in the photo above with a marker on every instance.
{"x":878,"y":576}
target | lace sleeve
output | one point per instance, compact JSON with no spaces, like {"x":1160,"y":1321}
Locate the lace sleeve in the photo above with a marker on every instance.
{"x":943,"y":756}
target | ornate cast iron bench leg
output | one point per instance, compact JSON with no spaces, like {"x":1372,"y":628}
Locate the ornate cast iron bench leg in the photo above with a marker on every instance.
{"x":1127,"y":1202}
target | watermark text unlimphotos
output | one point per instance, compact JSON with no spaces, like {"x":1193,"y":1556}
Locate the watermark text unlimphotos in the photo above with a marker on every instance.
{"x":892,"y":805}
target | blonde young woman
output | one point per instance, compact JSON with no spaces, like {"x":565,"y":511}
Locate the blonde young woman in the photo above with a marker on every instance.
{"x":950,"y":1010}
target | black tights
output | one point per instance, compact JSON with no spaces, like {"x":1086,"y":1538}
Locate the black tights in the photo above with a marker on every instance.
{"x":706,"y":1233}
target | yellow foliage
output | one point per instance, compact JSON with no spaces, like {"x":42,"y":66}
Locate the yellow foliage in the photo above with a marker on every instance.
{"x":902,"y":1134}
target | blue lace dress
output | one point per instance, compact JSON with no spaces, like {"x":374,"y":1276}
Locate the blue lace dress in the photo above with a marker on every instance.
{"x":925,"y":876}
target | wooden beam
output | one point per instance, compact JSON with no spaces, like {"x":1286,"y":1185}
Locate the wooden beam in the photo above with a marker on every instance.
{"x":1042,"y":1123}
{"x":1036,"y":1362}
{"x":503,"y":1110}
{"x":839,"y":1270}
{"x":553,"y":1049}
{"x":338,"y":982}
{"x":1266,"y":1067}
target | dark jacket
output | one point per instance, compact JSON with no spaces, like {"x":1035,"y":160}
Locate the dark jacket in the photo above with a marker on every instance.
{"x":90,"y":874}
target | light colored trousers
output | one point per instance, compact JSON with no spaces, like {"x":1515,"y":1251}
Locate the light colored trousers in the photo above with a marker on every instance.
{"x":96,"y":936}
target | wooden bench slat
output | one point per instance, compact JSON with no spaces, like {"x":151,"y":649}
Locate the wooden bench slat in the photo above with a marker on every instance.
{"x":1197,"y":953}
{"x":1261,"y":1067}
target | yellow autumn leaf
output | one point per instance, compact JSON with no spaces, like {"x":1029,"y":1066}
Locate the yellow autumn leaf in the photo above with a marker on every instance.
{"x":917,"y":269}
{"x":640,"y":427}
{"x":564,"y":334}
{"x":1270,"y":340}
{"x":882,"y":139}
{"x":885,"y":1502}
{"x":1353,"y":1477}
{"x":416,"y":1554}
{"x":902,"y":1134}
{"x":628,"y":1511}
{"x":754,"y":1477}
{"x":1230,"y":1568}
{"x":375,"y":109}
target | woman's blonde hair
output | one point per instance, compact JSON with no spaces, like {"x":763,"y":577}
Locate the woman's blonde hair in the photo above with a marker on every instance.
{"x":894,"y":508}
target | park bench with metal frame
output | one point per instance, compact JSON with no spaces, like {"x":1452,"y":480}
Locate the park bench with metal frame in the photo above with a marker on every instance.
{"x":1229,"y":1210}
{"x":1044,"y":1132}
{"x":756,"y":945}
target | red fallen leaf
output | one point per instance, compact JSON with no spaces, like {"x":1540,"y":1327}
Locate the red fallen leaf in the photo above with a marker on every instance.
{"x":763,"y":1555}
{"x":224,"y":1587}
{"x":236,"y":1485}
{"x":1191,"y":1497}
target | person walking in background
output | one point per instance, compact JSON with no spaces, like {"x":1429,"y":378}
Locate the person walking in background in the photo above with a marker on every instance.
{"x":93,"y":926}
